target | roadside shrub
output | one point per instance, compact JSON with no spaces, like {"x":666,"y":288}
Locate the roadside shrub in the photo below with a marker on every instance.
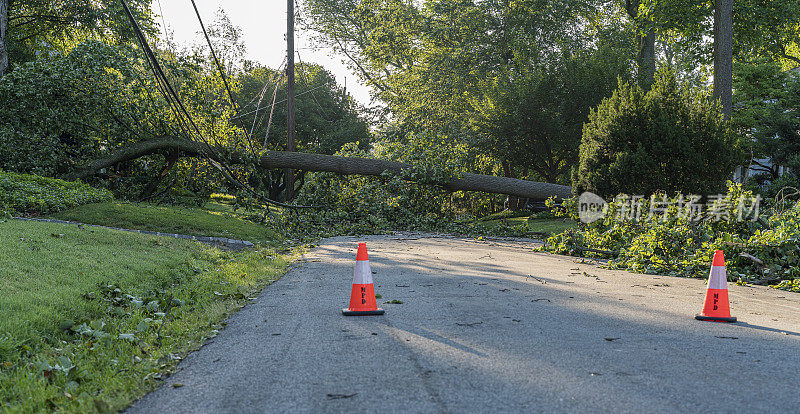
{"x":32,"y":194}
{"x":764,"y":251}
{"x":669,"y":139}
{"x":55,"y":111}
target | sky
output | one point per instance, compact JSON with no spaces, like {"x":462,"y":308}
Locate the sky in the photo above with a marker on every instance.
{"x":263,"y":25}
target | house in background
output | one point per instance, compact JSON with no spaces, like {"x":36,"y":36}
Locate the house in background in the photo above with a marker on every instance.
{"x":757,"y":166}
{"x":762,"y":165}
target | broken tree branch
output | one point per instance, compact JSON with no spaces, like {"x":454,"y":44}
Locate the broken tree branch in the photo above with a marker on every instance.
{"x":329,"y":163}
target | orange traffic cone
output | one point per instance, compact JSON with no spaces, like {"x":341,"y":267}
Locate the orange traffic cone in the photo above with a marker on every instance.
{"x":716,"y":307}
{"x":362,"y":297}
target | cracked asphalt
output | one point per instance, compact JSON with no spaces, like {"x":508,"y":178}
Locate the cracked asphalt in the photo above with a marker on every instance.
{"x":489,"y":326}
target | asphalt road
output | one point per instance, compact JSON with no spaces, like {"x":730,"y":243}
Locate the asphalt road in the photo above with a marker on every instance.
{"x":490,"y":326}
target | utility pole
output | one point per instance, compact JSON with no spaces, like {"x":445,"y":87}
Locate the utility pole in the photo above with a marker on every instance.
{"x":290,"y":98}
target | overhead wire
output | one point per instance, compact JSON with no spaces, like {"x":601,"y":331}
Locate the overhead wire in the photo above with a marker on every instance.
{"x":221,"y":70}
{"x":266,"y":85}
{"x":183,"y":117}
{"x":302,"y":79}
{"x":272,"y":111}
{"x":279,"y":75}
{"x":280,"y":102}
{"x":162,"y":82}
{"x":163,"y":21}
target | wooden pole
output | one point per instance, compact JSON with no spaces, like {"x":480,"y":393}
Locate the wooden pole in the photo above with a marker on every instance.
{"x":290,"y":146}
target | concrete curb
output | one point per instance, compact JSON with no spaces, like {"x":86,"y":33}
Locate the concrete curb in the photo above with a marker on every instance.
{"x":232,"y":243}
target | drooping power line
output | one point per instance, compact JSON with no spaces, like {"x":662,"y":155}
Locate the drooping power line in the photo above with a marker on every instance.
{"x":221,"y":70}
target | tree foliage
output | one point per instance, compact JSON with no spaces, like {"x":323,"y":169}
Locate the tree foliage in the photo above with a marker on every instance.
{"x":489,"y":73}
{"x":60,"y":111}
{"x":767,"y":113}
{"x":534,"y":119}
{"x":411,"y":199}
{"x":761,"y":28}
{"x":41,"y":27}
{"x":676,"y":243}
{"x":669,"y":139}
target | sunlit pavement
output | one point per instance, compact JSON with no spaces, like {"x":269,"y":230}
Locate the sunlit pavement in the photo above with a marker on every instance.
{"x":490,"y":326}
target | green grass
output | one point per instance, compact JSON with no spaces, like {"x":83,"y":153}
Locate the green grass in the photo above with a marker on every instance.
{"x":505,"y":214}
{"x":221,"y":222}
{"x":538,"y":226}
{"x":81,"y":311}
{"x":242,"y":212}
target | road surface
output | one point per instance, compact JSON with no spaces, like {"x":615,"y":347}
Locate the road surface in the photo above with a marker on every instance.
{"x":489,"y":326}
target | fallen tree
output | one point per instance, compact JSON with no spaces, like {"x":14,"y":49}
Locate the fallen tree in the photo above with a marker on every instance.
{"x":326,"y":163}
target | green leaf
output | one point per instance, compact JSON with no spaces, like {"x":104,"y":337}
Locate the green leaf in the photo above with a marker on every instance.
{"x":142,"y":326}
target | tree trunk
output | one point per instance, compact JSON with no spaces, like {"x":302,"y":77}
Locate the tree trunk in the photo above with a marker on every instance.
{"x":647,"y":59}
{"x":723,"y":55}
{"x":506,"y":168}
{"x":339,"y":165}
{"x":151,"y":188}
{"x":3,"y":34}
{"x":646,"y":46}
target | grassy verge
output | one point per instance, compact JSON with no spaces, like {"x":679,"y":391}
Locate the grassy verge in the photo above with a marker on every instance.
{"x":537,"y":226}
{"x":169,"y":219}
{"x":92,"y":319}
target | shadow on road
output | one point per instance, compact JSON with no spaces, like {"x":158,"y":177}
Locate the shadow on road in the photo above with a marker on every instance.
{"x":765,"y":328}
{"x":483,"y":329}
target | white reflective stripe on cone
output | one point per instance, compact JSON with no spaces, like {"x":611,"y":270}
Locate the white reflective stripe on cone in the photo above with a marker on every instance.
{"x":717,"y":278}
{"x":363,"y":274}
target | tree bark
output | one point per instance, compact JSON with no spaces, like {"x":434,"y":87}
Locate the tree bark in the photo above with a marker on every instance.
{"x":646,"y":46}
{"x":338,"y":165}
{"x":3,"y":35}
{"x":151,"y":188}
{"x":647,"y":59}
{"x":723,"y":55}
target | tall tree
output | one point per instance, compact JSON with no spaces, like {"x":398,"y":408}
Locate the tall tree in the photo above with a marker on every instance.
{"x":458,"y":68}
{"x":714,"y":32}
{"x":36,"y":26}
{"x":767,"y":101}
{"x":226,"y":38}
{"x":645,"y":42}
{"x":723,"y":55}
{"x":3,"y":26}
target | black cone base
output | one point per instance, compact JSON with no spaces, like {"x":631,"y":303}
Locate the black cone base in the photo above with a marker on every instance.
{"x":714,"y":318}
{"x":348,"y":312}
